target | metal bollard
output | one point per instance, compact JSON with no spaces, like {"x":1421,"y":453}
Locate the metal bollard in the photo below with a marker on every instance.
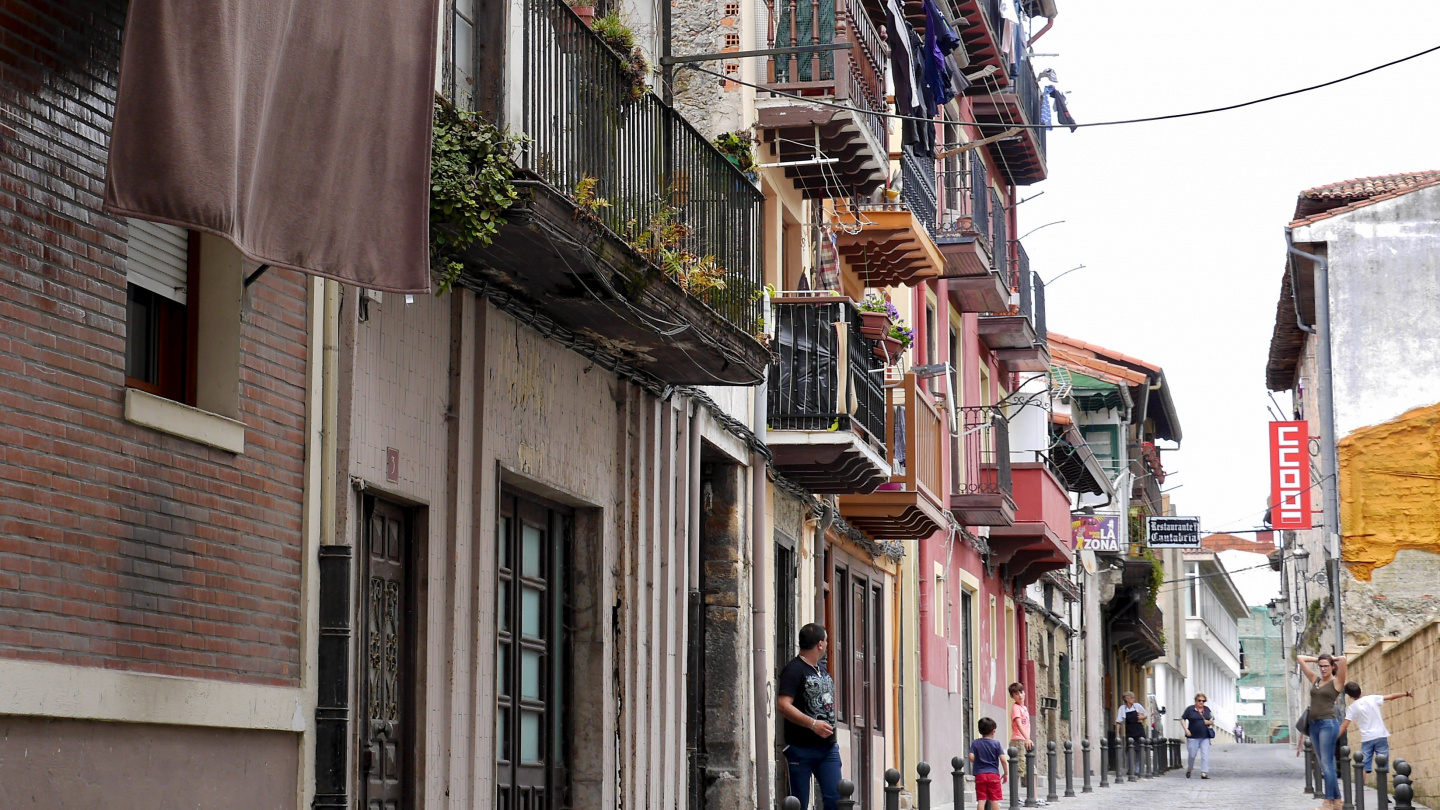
{"x":1132,"y":759}
{"x":1030,"y":799}
{"x":847,"y":795}
{"x":790,"y":803}
{"x":1382,"y":789}
{"x":1014,"y":754}
{"x":1404,"y":789}
{"x":892,"y":789}
{"x":922,"y":785}
{"x":1344,"y":774}
{"x":1085,"y":766}
{"x":1069,"y":770}
{"x":1309,"y":771}
{"x":1359,"y":779}
{"x":1104,"y":762}
{"x":957,"y":781}
{"x":1052,"y":766}
{"x":1142,"y":746}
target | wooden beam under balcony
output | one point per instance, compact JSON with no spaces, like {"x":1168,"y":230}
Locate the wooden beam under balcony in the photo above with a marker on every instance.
{"x":887,"y":247}
{"x":982,"y":508}
{"x":572,"y":274}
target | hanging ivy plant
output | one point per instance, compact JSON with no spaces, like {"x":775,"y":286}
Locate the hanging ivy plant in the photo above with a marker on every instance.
{"x":472,"y":169}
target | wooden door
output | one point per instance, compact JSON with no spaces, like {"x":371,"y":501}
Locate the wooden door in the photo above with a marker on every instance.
{"x":387,"y":654}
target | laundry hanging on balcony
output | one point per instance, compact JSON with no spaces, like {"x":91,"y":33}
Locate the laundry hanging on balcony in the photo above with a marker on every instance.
{"x":940,"y":42}
{"x":299,"y":131}
{"x":903,"y":60}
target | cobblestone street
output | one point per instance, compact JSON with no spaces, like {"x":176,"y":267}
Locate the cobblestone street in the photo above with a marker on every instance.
{"x":1242,"y":777}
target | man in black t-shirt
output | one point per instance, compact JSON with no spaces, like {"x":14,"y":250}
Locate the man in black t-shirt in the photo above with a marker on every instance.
{"x":807,"y":702}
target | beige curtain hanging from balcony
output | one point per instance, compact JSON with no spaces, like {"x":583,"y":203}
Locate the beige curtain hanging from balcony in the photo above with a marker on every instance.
{"x":297,"y":129}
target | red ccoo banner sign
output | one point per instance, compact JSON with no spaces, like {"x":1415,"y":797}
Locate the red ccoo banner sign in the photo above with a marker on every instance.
{"x":1290,"y":475}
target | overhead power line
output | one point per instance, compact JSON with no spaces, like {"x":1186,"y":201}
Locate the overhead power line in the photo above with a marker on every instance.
{"x":1117,"y":122}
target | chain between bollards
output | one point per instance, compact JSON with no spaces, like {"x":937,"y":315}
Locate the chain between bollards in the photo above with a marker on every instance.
{"x":847,"y":795}
{"x":1069,"y":770}
{"x":1014,"y":754}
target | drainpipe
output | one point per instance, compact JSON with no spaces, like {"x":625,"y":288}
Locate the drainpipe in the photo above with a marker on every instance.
{"x":760,"y":622}
{"x":329,"y":410}
{"x":1050,"y":23}
{"x":1329,"y":463}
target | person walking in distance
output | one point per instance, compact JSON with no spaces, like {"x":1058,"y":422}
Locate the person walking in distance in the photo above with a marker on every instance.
{"x":1130,"y":725}
{"x":987,"y":757}
{"x":1199,"y":729}
{"x":1365,"y":713}
{"x":1324,"y":673}
{"x":807,"y":702}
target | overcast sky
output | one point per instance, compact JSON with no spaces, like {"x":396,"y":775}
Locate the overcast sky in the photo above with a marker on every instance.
{"x":1180,"y":223}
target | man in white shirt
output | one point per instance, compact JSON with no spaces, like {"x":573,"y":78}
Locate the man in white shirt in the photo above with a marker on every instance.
{"x":1365,"y":713}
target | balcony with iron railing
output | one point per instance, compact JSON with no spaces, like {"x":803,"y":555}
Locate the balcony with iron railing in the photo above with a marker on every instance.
{"x":910,"y":505}
{"x":1039,"y":540}
{"x":1020,"y":156}
{"x":1017,"y":333}
{"x":887,"y":239}
{"x":826,"y":151}
{"x":979,"y":24}
{"x":825,"y":406}
{"x":981,"y":492}
{"x":582,"y":269}
{"x":967,"y":238}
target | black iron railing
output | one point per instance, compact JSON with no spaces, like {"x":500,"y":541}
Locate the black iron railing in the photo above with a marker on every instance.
{"x":983,"y":448}
{"x":1041,"y":335}
{"x":819,"y":381}
{"x":999,"y":237}
{"x":918,"y":188}
{"x":1021,"y":283}
{"x":856,"y":74}
{"x":1028,"y":89}
{"x":646,"y":158}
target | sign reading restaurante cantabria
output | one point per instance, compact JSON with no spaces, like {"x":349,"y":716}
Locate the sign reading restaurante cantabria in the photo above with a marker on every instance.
{"x":1173,"y":532}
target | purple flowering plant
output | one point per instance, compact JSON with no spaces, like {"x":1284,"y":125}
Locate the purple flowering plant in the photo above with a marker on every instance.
{"x":874,"y":302}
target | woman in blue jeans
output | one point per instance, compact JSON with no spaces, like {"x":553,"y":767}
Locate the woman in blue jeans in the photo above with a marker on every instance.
{"x":1325,"y":673}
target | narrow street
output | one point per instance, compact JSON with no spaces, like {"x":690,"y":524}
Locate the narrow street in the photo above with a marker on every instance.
{"x":1242,"y":777}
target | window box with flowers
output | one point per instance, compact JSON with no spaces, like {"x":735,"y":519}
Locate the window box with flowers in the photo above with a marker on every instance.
{"x":876,"y":316}
{"x":893,"y":344}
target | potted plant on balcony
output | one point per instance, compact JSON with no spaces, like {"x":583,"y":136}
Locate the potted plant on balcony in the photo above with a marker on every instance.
{"x":738,"y":147}
{"x":876,"y":315}
{"x":890,"y":347}
{"x":635,"y":66}
{"x":584,"y":9}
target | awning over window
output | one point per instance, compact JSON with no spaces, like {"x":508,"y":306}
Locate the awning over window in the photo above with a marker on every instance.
{"x":298,"y":130}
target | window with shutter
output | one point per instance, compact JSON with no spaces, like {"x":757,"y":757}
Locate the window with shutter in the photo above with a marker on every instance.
{"x":158,"y":259}
{"x":156,"y":319}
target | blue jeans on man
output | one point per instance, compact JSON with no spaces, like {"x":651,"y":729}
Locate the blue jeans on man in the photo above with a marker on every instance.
{"x":1379,"y":745}
{"x":822,"y":762}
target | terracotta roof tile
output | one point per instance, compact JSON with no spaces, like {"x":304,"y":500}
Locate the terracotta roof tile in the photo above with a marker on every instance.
{"x":1101,"y":351}
{"x":1336,"y":198}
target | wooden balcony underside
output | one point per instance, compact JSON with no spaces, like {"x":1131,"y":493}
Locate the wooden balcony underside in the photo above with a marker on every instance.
{"x":983,"y":508}
{"x":828,"y":462}
{"x":1007,"y":331}
{"x":801,"y":132}
{"x":1021,"y":158}
{"x":888,"y":248}
{"x":893,"y":514}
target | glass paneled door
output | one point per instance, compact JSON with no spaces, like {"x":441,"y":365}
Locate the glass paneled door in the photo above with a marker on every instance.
{"x":532,"y":655}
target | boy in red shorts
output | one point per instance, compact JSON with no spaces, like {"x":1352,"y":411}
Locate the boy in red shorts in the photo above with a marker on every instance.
{"x":988,"y":765}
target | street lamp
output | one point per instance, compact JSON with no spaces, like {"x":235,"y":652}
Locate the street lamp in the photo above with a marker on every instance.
{"x":1302,"y":561}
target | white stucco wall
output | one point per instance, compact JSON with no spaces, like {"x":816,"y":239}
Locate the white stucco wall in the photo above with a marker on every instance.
{"x":1384,"y":304}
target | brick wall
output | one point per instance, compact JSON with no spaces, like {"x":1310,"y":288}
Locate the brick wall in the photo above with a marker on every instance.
{"x":120,"y":546}
{"x":1391,"y":666}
